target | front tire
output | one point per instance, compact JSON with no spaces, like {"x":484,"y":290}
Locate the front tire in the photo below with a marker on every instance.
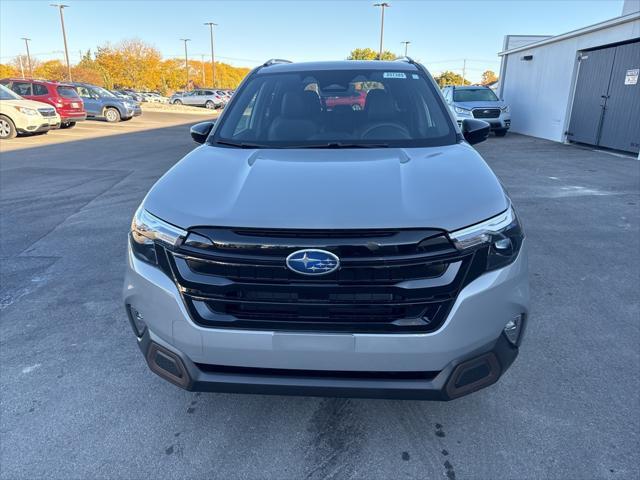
{"x":177,"y":102}
{"x":112,"y":115}
{"x":210,"y":105}
{"x":501,"y":133}
{"x":7,"y":128}
{"x":68,"y":125}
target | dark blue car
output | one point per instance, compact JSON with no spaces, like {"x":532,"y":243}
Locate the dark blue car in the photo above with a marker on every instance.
{"x":101,"y":103}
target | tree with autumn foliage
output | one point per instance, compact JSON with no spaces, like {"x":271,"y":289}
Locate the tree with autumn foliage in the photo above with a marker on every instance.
{"x":488,"y":76}
{"x":132,"y":64}
{"x":7,"y":71}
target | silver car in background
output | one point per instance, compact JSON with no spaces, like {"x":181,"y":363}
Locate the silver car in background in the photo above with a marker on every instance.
{"x":476,"y":101}
{"x":200,"y":98}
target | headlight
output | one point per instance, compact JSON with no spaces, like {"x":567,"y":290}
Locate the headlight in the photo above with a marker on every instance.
{"x":505,"y":109}
{"x":27,"y":111}
{"x":502,"y":234}
{"x":463,"y":111}
{"x":147,"y":230}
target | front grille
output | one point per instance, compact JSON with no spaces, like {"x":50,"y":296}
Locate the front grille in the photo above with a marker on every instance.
{"x":47,"y":112}
{"x":388,"y":281}
{"x":486,"y":113}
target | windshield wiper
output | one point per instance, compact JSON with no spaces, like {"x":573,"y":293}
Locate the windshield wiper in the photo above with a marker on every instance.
{"x":330,"y":145}
{"x":242,"y":144}
{"x":342,"y":145}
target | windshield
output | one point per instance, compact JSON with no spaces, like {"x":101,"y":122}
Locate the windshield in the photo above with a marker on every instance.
{"x":6,"y":94}
{"x":336,"y":108}
{"x":474,"y":95}
{"x":102,"y":92}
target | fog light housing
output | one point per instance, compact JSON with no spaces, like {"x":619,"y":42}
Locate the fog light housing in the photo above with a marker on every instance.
{"x":513,"y":329}
{"x":137,"y":321}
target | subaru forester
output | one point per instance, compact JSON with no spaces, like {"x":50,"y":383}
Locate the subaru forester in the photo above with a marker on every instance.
{"x":333,"y":251}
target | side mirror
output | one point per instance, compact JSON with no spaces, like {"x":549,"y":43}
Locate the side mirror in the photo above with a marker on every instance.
{"x":200,"y":131}
{"x":475,"y":131}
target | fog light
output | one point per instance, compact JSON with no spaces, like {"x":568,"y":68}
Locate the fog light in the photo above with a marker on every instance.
{"x":137,"y":321}
{"x":513,"y":328}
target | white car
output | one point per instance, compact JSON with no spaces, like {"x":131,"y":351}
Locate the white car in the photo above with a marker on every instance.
{"x":18,"y":115}
{"x":156,"y":98}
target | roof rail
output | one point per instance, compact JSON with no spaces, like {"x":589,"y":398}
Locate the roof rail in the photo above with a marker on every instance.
{"x":405,"y":59}
{"x":274,"y":61}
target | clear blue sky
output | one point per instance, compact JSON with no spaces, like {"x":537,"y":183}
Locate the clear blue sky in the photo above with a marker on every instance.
{"x":442,"y":32}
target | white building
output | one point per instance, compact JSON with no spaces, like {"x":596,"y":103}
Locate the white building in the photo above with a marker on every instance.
{"x":581,"y":86}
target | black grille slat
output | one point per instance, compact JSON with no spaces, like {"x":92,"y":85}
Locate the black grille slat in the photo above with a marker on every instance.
{"x":389,"y":281}
{"x":486,"y":113}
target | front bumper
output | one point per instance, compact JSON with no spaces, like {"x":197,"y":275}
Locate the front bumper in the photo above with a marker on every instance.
{"x":421,"y":365}
{"x":503,"y":122}
{"x":42,"y":127}
{"x":461,"y":377}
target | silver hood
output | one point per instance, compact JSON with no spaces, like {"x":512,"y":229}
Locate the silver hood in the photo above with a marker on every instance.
{"x":442,"y":187}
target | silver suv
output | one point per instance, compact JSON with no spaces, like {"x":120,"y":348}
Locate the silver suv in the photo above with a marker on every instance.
{"x":199,"y":98}
{"x":330,"y":251}
{"x":475,"y":101}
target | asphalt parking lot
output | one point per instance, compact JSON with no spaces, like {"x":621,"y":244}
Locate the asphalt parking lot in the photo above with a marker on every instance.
{"x":78,"y":400}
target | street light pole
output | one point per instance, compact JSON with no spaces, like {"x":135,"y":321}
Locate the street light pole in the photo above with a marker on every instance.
{"x":464,"y":70}
{"x":186,"y":60}
{"x":406,"y":44}
{"x":60,"y":7}
{"x":382,"y":6}
{"x":213,"y":58}
{"x":26,"y":42}
{"x":202,"y":68}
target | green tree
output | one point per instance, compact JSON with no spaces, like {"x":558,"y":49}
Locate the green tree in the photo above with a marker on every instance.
{"x":370,"y":54}
{"x":450,"y":78}
{"x":489,"y":76}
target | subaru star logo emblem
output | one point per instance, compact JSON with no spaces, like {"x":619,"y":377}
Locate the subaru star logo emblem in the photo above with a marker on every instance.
{"x":312,"y":262}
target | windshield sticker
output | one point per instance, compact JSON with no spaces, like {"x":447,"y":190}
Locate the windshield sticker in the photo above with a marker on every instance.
{"x":415,"y":76}
{"x":393,"y":75}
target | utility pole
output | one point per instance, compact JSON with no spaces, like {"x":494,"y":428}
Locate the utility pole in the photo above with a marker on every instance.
{"x":213,"y":58}
{"x":464,"y":70}
{"x":60,"y":7}
{"x":202,"y":68}
{"x":26,"y":42}
{"x":406,"y":44}
{"x":186,"y":60}
{"x":382,"y":6}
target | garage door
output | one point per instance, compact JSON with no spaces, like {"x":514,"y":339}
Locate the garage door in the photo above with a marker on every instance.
{"x":607,"y":99}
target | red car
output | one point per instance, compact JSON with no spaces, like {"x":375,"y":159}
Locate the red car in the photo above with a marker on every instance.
{"x":353,"y":98}
{"x":62,"y":97}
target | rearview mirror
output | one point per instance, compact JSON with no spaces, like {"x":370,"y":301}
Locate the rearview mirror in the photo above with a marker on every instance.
{"x":200,"y":131}
{"x":475,"y":131}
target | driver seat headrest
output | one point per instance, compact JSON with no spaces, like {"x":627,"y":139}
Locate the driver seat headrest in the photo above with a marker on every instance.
{"x":379,"y":105}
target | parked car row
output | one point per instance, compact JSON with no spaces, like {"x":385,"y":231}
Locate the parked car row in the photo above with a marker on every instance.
{"x":36,"y":106}
{"x":202,"y":97}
